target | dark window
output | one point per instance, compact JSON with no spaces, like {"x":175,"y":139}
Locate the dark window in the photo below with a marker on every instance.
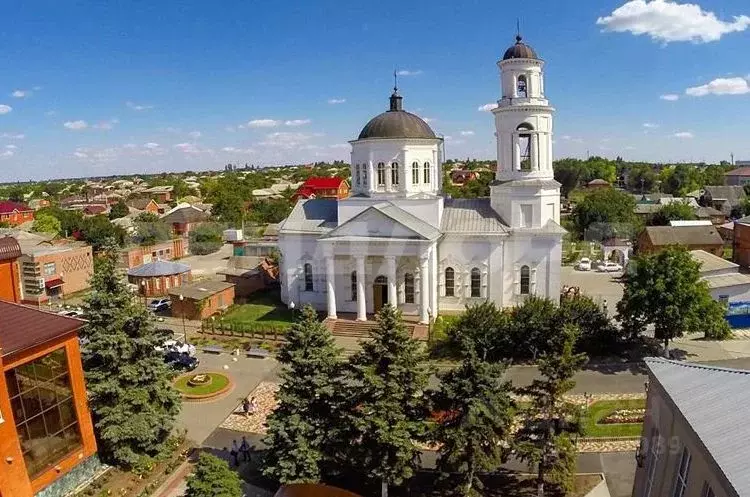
{"x":44,"y":411}
{"x":476,"y":283}
{"x":381,"y":174}
{"x":415,"y":173}
{"x":524,"y":146}
{"x":521,"y":90}
{"x":409,"y":288}
{"x":525,"y":280}
{"x":394,"y":173}
{"x":354,"y":285}
{"x":308,"y":277}
{"x":427,"y":173}
{"x":450,"y":279}
{"x":356,"y":171}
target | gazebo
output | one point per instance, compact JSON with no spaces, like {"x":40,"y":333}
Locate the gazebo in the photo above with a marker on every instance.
{"x":158,"y":277}
{"x":617,"y":249}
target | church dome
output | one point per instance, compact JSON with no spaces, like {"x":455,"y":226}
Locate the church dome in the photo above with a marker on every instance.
{"x":396,"y":123}
{"x":519,"y":50}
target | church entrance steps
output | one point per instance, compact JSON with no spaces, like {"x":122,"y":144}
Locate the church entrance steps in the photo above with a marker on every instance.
{"x":361,"y":329}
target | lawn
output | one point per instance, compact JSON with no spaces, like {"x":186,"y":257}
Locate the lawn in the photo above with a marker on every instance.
{"x":262,"y":308}
{"x":218,"y":382}
{"x":601,"y":409}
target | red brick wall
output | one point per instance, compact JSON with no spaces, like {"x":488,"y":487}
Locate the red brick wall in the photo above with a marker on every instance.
{"x":9,"y":281}
{"x":16,"y":218}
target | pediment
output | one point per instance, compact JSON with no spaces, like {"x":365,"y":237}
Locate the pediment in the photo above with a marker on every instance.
{"x":372,"y":223}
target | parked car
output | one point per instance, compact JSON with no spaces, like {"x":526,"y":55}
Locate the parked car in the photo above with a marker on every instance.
{"x":157,"y":305}
{"x":584,"y":264}
{"x":181,"y":362}
{"x":176,"y":346}
{"x":71,"y":313}
{"x":609,"y":267}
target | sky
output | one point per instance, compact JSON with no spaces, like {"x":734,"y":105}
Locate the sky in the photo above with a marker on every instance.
{"x":92,"y":88}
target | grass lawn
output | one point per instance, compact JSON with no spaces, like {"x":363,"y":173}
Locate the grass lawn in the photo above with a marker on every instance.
{"x":218,"y":381}
{"x":263,"y":308}
{"x":603,"y":408}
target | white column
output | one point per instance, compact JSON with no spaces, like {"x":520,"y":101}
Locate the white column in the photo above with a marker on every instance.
{"x":391,"y":268}
{"x":424,"y":280}
{"x":434,"y":278}
{"x":534,"y":148}
{"x":361,"y":304}
{"x":331,"y":286}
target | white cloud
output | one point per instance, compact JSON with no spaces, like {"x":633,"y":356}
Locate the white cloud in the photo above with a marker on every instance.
{"x":37,"y":88}
{"x":191,"y":149}
{"x":50,"y":113}
{"x":235,"y":150}
{"x":4,"y":109}
{"x":106,"y":125}
{"x":683,"y":134}
{"x":340,"y":145}
{"x":297,"y":122}
{"x":650,"y":125}
{"x":467,"y":133}
{"x":629,"y":147}
{"x":195,"y":134}
{"x":21,"y":94}
{"x":10,"y":147}
{"x":487,"y":107}
{"x":571,"y":139}
{"x":666,"y":21}
{"x":669,"y":97}
{"x":7,"y":153}
{"x":262,"y":123}
{"x":720,"y":86}
{"x":13,"y":136}
{"x":138,"y":107}
{"x":288,"y":140}
{"x":405,"y":72}
{"x":230,"y":129}
{"x":80,"y":124}
{"x":334,"y":101}
{"x":151,"y":145}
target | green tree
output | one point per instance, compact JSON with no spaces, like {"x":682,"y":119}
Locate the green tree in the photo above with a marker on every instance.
{"x":130,"y":393}
{"x":534,"y":330}
{"x":120,"y":209}
{"x":206,"y":238}
{"x":596,"y":167}
{"x":568,"y":173}
{"x":46,"y":223}
{"x":149,"y":233}
{"x":298,"y":428}
{"x":97,"y":231}
{"x":387,"y":381}
{"x":146,"y":217}
{"x":714,"y":175}
{"x":273,"y":210}
{"x":70,"y":221}
{"x":213,"y":477}
{"x":673,"y":211}
{"x":603,"y":213}
{"x":665,"y":290}
{"x":597,"y":336}
{"x":544,"y":441}
{"x":476,"y":416}
{"x":680,"y":179}
{"x":487,"y":327}
{"x":642,"y":178}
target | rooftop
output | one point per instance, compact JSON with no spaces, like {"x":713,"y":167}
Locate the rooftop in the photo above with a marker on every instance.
{"x":683,"y":235}
{"x":187,"y":214}
{"x":740,"y":171}
{"x":199,"y":290}
{"x":322,"y":182}
{"x":158,"y":268}
{"x":711,"y":262}
{"x":396,"y":123}
{"x":8,"y":206}
{"x":471,"y":215}
{"x":22,"y":327}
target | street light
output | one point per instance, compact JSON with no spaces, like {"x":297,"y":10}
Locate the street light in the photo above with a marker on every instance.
{"x":429,"y":324}
{"x":143,"y":291}
{"x":182,"y":312}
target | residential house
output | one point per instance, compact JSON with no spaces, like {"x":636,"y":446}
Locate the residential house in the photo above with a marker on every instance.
{"x":10,"y":287}
{"x":741,"y":241}
{"x":462,"y":176}
{"x":318,"y":187}
{"x":145,"y":204}
{"x":737,"y":177}
{"x":723,"y":198}
{"x":655,"y":238}
{"x":714,"y":215}
{"x":597,"y":183}
{"x":38,"y":203}
{"x":250,"y":274}
{"x":161,"y":194}
{"x":138,"y":255}
{"x":159,"y":277}
{"x":694,"y":441}
{"x":201,"y":299}
{"x":724,"y":279}
{"x":46,"y":434}
{"x":184,"y":218}
{"x":15,"y":213}
{"x":95,"y":209}
{"x":650,"y":197}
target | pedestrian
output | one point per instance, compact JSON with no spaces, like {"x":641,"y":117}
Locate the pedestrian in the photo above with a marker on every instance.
{"x":253,"y":405}
{"x":245,"y":449}
{"x":235,"y":453}
{"x":246,"y":407}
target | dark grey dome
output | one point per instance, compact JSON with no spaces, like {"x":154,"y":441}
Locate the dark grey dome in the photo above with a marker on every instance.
{"x":520,"y":51}
{"x":396,"y":123}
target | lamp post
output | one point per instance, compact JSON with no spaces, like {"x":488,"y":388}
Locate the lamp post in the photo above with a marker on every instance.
{"x":143,"y":291}
{"x":182,"y":312}
{"x":429,"y":325}
{"x":291,"y":306}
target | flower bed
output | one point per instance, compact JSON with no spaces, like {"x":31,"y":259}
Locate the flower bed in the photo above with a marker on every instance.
{"x":203,"y":385}
{"x":624,"y":416}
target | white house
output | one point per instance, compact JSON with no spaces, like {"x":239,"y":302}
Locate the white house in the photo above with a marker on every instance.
{"x":397,"y":240}
{"x":725,"y":282}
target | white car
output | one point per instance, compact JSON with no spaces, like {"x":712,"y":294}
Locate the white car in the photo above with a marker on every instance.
{"x":159,"y":305}
{"x":584,"y":264}
{"x":175,"y":346}
{"x":609,"y":267}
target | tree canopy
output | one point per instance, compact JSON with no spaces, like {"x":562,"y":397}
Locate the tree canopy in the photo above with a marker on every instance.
{"x":213,"y":477}
{"x":604,"y":213}
{"x":673,"y":211}
{"x":46,"y":223}
{"x":118,"y":210}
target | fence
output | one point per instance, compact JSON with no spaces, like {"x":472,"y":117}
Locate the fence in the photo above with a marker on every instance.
{"x":256,"y":330}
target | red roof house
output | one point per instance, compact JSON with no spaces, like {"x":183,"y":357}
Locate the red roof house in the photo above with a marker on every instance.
{"x":319,"y":187}
{"x":15,"y":213}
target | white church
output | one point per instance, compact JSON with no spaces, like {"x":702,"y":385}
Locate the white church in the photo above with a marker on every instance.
{"x":397,"y":240}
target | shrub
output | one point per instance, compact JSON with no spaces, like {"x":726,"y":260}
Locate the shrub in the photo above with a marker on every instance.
{"x":206,"y":239}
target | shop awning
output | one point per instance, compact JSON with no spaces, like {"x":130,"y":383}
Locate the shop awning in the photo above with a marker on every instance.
{"x":53,"y":283}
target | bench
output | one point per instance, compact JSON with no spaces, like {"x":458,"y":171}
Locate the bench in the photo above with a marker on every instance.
{"x":256,"y":352}
{"x":213,"y":349}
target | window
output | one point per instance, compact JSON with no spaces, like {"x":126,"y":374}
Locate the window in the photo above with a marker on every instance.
{"x":681,"y":478}
{"x":426,"y":178}
{"x":524,"y":147}
{"x":221,"y":300}
{"x":526,"y":215}
{"x":707,"y":490}
{"x":476,"y":283}
{"x":415,"y":173}
{"x":525,"y":280}
{"x":356,"y":172}
{"x":157,"y":283}
{"x":651,"y":463}
{"x":450,"y":276}
{"x":521,"y":88}
{"x":394,"y":173}
{"x":308,"y":277}
{"x":354,"y":285}
{"x":49,"y":269}
{"x":364,"y":174}
{"x":409,"y":288}
{"x":381,"y":174}
{"x":44,"y":411}
{"x":166,"y":283}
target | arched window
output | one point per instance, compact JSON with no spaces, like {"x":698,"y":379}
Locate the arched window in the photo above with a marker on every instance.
{"x":308,"y":277}
{"x":365,"y":173}
{"x":394,"y":173}
{"x":415,"y":173}
{"x":381,"y":174}
{"x":426,"y":173}
{"x":450,"y":282}
{"x":524,"y":146}
{"x":521,"y":87}
{"x":409,"y":288}
{"x":356,"y":171}
{"x":525,"y":280}
{"x":354,"y":285}
{"x":476,"y":283}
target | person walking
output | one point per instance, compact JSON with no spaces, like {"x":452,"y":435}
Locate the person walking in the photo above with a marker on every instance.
{"x":253,"y":405}
{"x":246,"y":407}
{"x":235,"y":453}
{"x":245,"y":449}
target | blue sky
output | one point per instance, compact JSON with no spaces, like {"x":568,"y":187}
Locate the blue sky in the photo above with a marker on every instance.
{"x":94,"y":88}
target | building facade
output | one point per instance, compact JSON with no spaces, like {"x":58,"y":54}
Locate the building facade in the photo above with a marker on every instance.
{"x":398,"y":241}
{"x":49,"y":272}
{"x":138,"y":255}
{"x":159,"y":277}
{"x":317,"y":187}
{"x":10,"y":280}
{"x":201,"y":299}
{"x":15,"y":213}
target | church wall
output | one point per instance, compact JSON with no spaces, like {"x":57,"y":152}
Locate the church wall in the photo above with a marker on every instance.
{"x":543,"y":255}
{"x":296,"y":250}
{"x":463,"y":254}
{"x":429,"y":210}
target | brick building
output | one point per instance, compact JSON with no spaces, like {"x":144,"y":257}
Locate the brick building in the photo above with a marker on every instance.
{"x":741,"y":242}
{"x":10,"y":251}
{"x":201,"y":299}
{"x":45,"y":424}
{"x":184,"y":219}
{"x":144,"y":204}
{"x":157,"y":278}
{"x":655,"y":238}
{"x":138,"y":255}
{"x":317,"y":187}
{"x":15,"y":213}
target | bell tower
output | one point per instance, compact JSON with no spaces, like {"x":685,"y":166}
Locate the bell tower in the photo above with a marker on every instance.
{"x":524,"y":193}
